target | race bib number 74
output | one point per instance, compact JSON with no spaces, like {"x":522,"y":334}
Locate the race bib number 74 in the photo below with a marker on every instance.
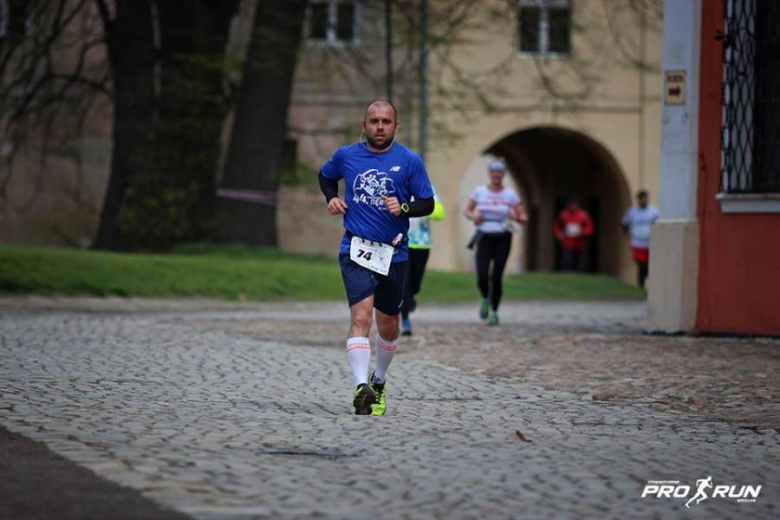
{"x":371,"y":255}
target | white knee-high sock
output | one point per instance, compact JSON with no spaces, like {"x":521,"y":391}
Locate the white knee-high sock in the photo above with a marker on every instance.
{"x":384,"y":355}
{"x":359,"y":356}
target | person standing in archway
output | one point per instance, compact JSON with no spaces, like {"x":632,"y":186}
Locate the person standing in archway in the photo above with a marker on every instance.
{"x":573,"y":228}
{"x":637,"y":224}
{"x":492,"y":207}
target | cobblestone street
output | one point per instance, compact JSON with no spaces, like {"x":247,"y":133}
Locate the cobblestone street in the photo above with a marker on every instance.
{"x":228,"y":411}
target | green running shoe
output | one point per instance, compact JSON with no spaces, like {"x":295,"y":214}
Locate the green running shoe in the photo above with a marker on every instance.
{"x":484,"y":308}
{"x":364,"y":398}
{"x":493,"y":320}
{"x":380,"y":405}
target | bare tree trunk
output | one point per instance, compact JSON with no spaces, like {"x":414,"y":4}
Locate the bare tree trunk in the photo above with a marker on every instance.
{"x":131,"y":55}
{"x":194,"y":34}
{"x":169,"y":114}
{"x":261,"y":120}
{"x":171,"y":200}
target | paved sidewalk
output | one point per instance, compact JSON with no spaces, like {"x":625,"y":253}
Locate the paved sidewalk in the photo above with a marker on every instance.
{"x":235,"y":411}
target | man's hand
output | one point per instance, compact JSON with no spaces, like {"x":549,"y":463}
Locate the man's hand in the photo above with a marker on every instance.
{"x":477,"y":217}
{"x":392,"y":205}
{"x":336,"y":206}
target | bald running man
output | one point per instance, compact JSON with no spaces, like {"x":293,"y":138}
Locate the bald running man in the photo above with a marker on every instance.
{"x":381,"y":178}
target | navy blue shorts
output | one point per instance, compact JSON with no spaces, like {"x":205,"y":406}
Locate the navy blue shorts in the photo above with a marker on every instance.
{"x":361,"y":283}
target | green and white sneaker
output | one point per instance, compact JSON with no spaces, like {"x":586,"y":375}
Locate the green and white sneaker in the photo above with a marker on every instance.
{"x":364,"y":398}
{"x":484,"y":308}
{"x":493,"y":319}
{"x":380,"y":404}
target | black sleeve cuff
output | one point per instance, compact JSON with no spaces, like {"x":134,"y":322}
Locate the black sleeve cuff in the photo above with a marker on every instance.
{"x":328,"y":187}
{"x":417,"y":208}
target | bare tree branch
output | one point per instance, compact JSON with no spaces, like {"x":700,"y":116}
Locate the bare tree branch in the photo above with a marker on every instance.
{"x":105,"y":15}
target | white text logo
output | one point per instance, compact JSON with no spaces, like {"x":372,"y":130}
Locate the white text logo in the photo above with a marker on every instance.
{"x":370,"y":186}
{"x":705,"y":489}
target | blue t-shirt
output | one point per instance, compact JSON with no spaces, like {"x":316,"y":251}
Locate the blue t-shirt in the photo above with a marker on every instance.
{"x":368,"y":177}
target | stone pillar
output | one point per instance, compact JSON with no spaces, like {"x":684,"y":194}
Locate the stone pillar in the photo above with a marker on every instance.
{"x":674,"y":246}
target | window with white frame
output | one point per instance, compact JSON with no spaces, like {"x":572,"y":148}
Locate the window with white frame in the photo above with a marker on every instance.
{"x":544,"y":27}
{"x":333,"y":21}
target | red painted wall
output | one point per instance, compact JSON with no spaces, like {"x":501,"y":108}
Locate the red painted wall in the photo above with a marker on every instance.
{"x":739,"y":255}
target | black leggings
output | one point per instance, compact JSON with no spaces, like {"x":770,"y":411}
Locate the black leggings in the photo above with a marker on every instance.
{"x":642,"y":274}
{"x":495,"y":248}
{"x":418,"y":258}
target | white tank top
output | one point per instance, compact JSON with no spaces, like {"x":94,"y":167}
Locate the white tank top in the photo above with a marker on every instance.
{"x":494,"y":206}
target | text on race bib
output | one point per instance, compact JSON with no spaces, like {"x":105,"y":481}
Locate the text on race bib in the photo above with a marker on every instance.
{"x":372,"y":255}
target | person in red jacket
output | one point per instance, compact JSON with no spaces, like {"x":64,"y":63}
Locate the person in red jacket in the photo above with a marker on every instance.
{"x":572,"y":229}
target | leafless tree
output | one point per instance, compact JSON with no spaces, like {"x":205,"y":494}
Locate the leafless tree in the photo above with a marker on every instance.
{"x":44,"y":99}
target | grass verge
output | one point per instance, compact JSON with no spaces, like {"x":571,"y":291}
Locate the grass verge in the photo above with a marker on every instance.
{"x":240,"y":272}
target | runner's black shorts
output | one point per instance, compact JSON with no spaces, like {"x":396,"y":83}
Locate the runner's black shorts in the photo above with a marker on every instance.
{"x":361,"y":283}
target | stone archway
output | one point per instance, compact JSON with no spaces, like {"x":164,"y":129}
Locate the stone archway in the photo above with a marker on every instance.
{"x":550,"y":165}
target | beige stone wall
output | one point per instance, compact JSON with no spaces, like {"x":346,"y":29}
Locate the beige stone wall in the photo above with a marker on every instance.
{"x":304,"y":224}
